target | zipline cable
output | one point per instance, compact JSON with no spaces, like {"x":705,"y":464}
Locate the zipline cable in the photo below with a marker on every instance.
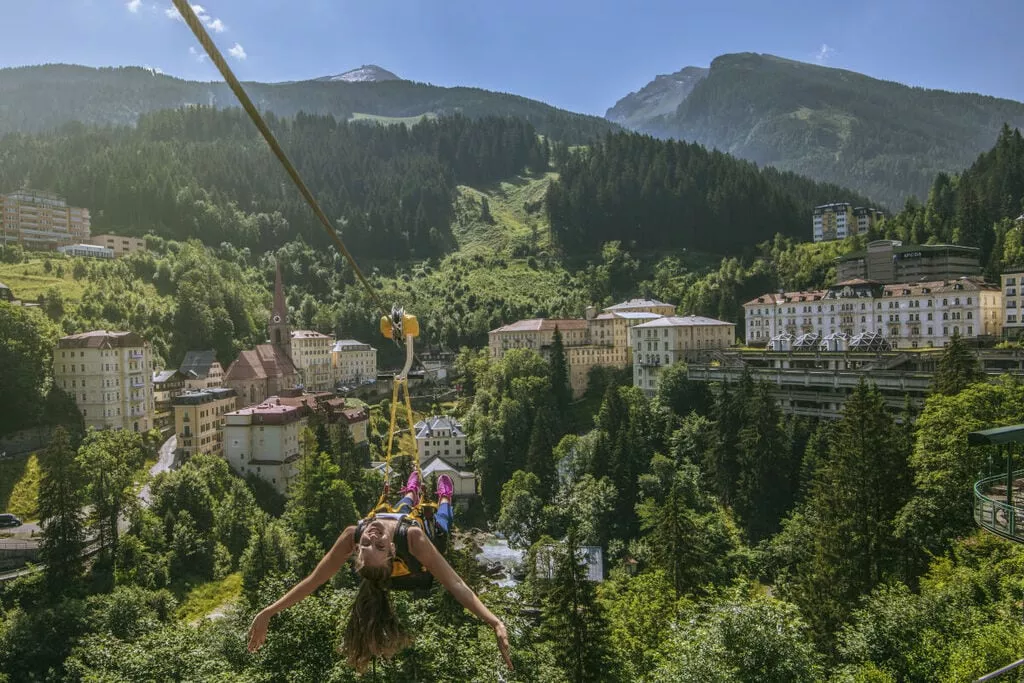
{"x":185,"y":9}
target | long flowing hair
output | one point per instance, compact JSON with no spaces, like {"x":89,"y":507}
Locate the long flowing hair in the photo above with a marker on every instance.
{"x":373,"y":628}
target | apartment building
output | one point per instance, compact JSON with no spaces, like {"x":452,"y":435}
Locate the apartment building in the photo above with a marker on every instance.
{"x":119,"y":244}
{"x":41,"y":220}
{"x":669,"y":339}
{"x":1012,"y":286}
{"x":311,"y":355}
{"x":354,"y":413}
{"x":910,"y":315}
{"x":441,"y":436}
{"x":108,"y":375}
{"x":892,"y":262}
{"x":264,"y":440}
{"x":353,"y":362}
{"x":166,"y":385}
{"x":840,"y":220}
{"x":199,"y":420}
{"x":201,"y":370}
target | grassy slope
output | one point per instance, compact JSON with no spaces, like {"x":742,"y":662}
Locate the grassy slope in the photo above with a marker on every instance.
{"x":205,"y":598}
{"x":28,"y":280}
{"x":407,"y":120}
{"x":19,"y":486}
{"x":517,"y":207}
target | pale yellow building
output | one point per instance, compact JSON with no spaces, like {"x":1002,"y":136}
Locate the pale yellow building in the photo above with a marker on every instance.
{"x":199,"y":420}
{"x":41,"y":221}
{"x":1012,"y":287}
{"x":108,"y":375}
{"x":119,"y":244}
{"x":312,"y":357}
{"x":201,"y":370}
{"x":441,"y":436}
{"x":662,"y":342}
{"x":353,"y":362}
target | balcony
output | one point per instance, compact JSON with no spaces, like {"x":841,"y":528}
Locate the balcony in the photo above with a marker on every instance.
{"x":999,"y":498}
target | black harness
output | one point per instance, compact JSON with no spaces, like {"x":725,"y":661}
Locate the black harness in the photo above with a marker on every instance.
{"x":407,"y":573}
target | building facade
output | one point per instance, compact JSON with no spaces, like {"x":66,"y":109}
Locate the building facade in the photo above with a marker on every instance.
{"x":201,"y":370}
{"x":86,"y":250}
{"x":263,"y":440}
{"x":441,"y":436}
{"x":199,"y":420}
{"x":41,"y":220}
{"x":664,"y":341}
{"x":166,"y":385}
{"x":353,"y":362}
{"x":914,"y":315}
{"x":891,"y":262}
{"x":108,"y":375}
{"x":311,"y":355}
{"x":1012,"y":287}
{"x":119,"y":244}
{"x":840,"y":220}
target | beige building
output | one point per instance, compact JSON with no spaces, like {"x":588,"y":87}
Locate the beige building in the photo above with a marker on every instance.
{"x":201,"y":370}
{"x":108,"y":374}
{"x":353,"y":362}
{"x":600,"y":339}
{"x":119,"y":244}
{"x":199,"y":420}
{"x":312,"y":357}
{"x":910,"y":315}
{"x":41,"y":221}
{"x":441,"y":436}
{"x":662,"y":342}
{"x":463,"y":483}
{"x":1013,"y":303}
{"x":264,"y":440}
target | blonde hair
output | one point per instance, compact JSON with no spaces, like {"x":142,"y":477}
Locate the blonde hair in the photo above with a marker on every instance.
{"x":373,"y":629}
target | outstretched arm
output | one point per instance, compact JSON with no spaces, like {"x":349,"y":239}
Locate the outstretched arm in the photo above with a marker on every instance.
{"x":327,"y":567}
{"x":424,"y":551}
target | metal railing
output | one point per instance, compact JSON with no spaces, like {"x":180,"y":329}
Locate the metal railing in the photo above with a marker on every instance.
{"x":997,"y":516}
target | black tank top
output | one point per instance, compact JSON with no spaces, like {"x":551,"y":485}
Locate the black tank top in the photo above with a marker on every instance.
{"x":405,"y":563}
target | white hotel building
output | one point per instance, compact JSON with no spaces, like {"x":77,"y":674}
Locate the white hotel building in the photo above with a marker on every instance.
{"x":911,"y":315}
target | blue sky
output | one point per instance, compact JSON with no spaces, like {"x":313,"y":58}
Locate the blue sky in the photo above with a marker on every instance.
{"x":578,"y":55}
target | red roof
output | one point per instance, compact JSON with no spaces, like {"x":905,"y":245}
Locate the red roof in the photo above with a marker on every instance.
{"x":544,"y":325}
{"x":260,"y":363}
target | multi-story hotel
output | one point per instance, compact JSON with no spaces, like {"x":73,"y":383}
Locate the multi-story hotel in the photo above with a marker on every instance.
{"x":264,"y":440}
{"x":913,"y":315}
{"x":441,"y":436}
{"x":41,"y":220}
{"x":667,"y":340}
{"x":108,"y":375}
{"x":311,"y":355}
{"x":353,"y":362}
{"x":201,"y":370}
{"x":890,"y":261}
{"x":119,"y":244}
{"x":199,"y":420}
{"x":1013,"y":303}
{"x":599,"y":339}
{"x":840,"y":220}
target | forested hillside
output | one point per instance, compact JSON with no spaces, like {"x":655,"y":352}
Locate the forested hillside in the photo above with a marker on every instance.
{"x":658,"y":194}
{"x":41,"y":98}
{"x":884,"y":139}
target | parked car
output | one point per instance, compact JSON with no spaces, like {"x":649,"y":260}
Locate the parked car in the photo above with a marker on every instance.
{"x":7,"y":519}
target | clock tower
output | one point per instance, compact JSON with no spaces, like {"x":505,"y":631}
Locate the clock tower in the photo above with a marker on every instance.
{"x":279,"y":331}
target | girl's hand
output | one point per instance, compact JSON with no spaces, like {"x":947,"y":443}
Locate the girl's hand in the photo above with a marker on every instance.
{"x":502,"y":635}
{"x":258,"y":631}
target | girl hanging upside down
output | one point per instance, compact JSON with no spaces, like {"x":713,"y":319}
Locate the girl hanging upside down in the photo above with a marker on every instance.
{"x":386,"y":545}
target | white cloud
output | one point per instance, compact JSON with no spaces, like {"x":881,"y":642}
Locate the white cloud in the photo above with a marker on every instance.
{"x":133,"y":5}
{"x":824,"y":53}
{"x":215,"y":25}
{"x":200,"y":56}
{"x":238,"y":52}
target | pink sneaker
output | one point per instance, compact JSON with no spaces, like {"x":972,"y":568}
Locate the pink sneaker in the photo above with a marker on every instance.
{"x":412,"y":484}
{"x":445,"y":488}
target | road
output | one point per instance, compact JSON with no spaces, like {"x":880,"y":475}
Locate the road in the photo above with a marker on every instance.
{"x":164,"y":462}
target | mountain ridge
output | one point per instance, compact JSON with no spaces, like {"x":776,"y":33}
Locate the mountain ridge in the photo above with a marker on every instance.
{"x":883,"y":138}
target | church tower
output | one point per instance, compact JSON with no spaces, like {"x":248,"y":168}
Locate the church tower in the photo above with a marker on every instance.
{"x":279,"y":331}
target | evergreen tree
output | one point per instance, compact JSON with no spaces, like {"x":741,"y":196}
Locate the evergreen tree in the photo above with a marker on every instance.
{"x":485,"y":211}
{"x":320,"y":503}
{"x":855,"y":496}
{"x":540,"y":460}
{"x":60,"y":509}
{"x":559,"y":375}
{"x":767,"y":476}
{"x":958,"y":368}
{"x":109,"y":461}
{"x":268,"y":553}
{"x":574,"y":621}
{"x":723,"y":458}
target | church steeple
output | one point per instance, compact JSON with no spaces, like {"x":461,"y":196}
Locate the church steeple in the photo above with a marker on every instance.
{"x":279,"y":330}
